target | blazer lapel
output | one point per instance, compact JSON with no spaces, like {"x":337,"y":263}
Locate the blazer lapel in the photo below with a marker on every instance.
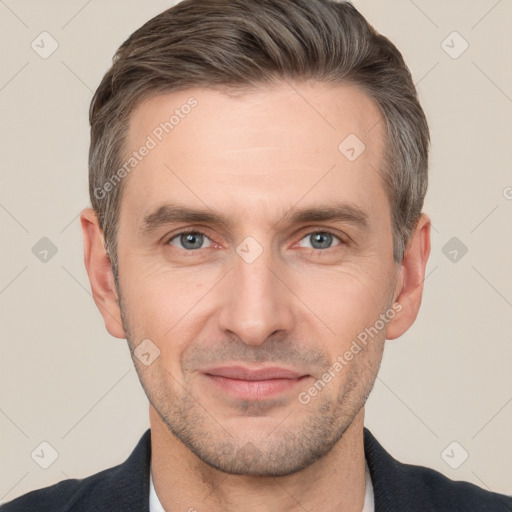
{"x":126,"y":487}
{"x":395,"y":487}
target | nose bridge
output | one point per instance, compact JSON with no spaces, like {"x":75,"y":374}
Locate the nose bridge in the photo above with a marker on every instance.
{"x":257,"y":303}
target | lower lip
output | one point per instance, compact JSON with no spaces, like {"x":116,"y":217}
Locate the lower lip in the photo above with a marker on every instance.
{"x":254,"y":389}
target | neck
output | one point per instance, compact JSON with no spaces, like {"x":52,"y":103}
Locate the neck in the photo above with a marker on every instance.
{"x":183,"y":482}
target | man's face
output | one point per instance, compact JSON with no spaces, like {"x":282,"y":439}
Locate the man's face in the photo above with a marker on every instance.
{"x":250,"y":312}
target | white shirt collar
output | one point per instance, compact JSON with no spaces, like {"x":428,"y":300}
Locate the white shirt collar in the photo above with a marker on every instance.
{"x":154,"y":502}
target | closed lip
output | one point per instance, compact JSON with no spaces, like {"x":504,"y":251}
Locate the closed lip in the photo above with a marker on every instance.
{"x":253,"y":374}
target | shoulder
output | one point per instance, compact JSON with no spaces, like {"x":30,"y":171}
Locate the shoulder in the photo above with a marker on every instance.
{"x":417,"y":488}
{"x":63,"y":496}
{"x":122,"y":487}
{"x":442,"y":493}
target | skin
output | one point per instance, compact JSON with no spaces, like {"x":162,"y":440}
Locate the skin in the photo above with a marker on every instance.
{"x":254,"y":158}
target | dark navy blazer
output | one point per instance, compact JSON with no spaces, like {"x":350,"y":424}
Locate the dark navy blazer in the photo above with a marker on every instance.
{"x":397,"y":488}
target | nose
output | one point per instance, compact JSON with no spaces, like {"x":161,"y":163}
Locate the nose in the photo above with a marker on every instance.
{"x":257,"y":301}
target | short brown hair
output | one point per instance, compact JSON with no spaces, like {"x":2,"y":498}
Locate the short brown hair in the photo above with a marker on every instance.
{"x":243,"y":44}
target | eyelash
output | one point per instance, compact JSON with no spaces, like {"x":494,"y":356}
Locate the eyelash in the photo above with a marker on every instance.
{"x":309,"y":233}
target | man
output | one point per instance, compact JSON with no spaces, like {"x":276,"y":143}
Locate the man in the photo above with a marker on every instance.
{"x":257,"y":176}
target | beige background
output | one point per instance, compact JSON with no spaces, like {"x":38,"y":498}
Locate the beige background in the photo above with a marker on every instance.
{"x":65,"y":381}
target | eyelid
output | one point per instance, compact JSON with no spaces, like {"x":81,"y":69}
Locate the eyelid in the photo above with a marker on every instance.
{"x":341,"y":238}
{"x":184,"y":230}
{"x":188,"y":231}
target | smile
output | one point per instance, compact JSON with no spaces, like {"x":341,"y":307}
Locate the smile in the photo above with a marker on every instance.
{"x":254,"y":384}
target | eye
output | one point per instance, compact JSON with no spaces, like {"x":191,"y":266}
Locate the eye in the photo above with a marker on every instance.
{"x":320,"y":240}
{"x":189,"y":240}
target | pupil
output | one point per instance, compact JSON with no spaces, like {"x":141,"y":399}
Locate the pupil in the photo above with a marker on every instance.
{"x":190,"y":238}
{"x":323,"y":240}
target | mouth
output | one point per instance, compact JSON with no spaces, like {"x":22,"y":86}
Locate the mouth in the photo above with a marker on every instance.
{"x":254,"y":384}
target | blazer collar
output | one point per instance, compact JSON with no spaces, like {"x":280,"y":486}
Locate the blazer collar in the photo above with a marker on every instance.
{"x":128,"y":483}
{"x":395,"y":487}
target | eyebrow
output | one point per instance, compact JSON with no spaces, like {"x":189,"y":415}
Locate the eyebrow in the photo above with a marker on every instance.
{"x":168,"y":214}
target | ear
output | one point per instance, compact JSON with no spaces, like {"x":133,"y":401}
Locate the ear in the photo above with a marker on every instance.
{"x":409,"y":287}
{"x":97,"y":263}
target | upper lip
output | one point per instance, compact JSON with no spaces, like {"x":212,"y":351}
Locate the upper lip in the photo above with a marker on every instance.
{"x":243,"y":373}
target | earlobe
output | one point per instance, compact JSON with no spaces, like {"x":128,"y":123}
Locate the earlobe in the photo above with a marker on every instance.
{"x":97,"y":263}
{"x":409,"y":287}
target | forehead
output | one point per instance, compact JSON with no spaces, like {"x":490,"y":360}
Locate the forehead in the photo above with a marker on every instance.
{"x":268,"y":148}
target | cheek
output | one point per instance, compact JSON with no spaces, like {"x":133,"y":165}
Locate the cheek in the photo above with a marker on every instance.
{"x":165,"y":306}
{"x":160,"y":295}
{"x":345,"y":298}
